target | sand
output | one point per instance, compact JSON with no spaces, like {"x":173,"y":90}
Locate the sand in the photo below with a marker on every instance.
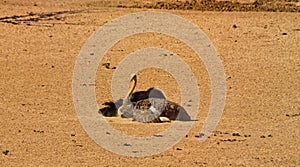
{"x":41,"y":40}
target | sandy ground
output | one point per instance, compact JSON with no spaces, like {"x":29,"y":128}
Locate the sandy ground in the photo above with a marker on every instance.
{"x":39,"y":126}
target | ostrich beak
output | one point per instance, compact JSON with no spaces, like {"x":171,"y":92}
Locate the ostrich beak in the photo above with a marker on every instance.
{"x":133,"y":77}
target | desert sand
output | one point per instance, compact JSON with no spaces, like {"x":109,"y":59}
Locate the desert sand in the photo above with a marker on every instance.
{"x":258,"y":44}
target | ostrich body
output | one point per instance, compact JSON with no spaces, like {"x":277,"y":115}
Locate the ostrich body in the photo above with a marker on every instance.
{"x":145,"y":106}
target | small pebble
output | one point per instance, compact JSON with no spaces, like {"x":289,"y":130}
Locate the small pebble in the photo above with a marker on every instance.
{"x":236,"y":134}
{"x":202,"y":135}
{"x":158,"y":135}
{"x":106,"y":65}
{"x":5,"y":152}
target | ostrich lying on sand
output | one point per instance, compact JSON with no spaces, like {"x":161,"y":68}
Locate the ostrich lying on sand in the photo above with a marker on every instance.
{"x":145,"y":106}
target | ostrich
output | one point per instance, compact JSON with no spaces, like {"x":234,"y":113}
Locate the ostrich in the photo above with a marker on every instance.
{"x":145,"y":106}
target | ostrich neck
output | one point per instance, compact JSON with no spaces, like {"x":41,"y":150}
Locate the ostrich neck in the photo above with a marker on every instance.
{"x":131,"y":89}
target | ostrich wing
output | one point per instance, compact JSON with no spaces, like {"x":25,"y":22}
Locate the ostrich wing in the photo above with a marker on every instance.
{"x":150,"y":110}
{"x":150,"y":93}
